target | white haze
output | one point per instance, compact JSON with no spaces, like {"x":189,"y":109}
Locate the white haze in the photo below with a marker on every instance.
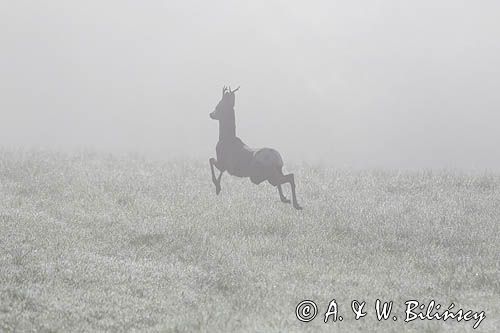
{"x":352,"y":83}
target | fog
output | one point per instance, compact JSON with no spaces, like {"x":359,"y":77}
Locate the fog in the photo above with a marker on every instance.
{"x":398,"y":84}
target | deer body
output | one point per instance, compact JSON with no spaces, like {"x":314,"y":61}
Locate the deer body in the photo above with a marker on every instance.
{"x":242,"y":161}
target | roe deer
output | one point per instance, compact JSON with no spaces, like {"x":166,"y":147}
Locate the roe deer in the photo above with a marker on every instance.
{"x":240,"y":160}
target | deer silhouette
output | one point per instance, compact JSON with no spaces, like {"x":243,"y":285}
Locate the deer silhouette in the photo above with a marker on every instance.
{"x":242,"y":161}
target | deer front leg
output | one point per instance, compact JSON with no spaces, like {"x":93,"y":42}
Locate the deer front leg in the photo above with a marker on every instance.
{"x":282,"y":197}
{"x":216,"y":181}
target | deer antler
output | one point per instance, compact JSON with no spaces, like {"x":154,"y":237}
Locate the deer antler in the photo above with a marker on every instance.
{"x":235,"y":90}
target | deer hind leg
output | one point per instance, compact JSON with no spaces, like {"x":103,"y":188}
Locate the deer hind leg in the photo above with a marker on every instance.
{"x":216,"y":180}
{"x":282,"y":197}
{"x":291,"y":179}
{"x":276,"y":179}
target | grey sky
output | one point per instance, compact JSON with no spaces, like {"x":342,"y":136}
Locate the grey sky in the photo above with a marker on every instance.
{"x":365,"y":83}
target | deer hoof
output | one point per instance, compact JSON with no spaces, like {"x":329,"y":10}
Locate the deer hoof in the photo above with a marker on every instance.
{"x":217,"y":190}
{"x":285,"y":200}
{"x":296,"y":206}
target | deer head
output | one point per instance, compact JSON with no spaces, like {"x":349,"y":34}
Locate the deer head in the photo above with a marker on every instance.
{"x":226,"y":104}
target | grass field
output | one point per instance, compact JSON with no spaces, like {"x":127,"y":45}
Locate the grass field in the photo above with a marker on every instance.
{"x":94,"y":242}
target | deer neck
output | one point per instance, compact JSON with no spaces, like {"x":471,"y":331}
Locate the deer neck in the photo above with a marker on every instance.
{"x":227,"y":127}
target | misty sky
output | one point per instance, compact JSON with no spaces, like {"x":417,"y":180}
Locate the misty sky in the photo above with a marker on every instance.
{"x":356,"y":83}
